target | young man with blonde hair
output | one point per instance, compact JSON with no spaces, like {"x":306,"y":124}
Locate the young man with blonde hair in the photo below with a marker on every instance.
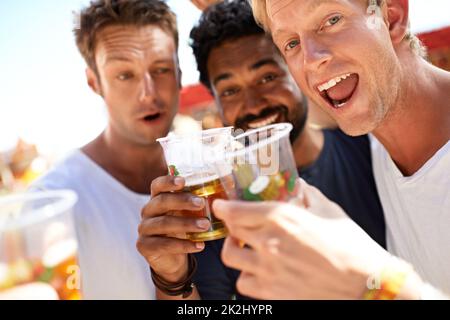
{"x":362,"y":66}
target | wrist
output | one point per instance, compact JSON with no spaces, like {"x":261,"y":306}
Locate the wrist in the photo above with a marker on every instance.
{"x":395,"y":280}
{"x":181,"y":287}
{"x":176,"y":276}
{"x":412,"y":288}
{"x":172,"y":274}
{"x":365,"y":273}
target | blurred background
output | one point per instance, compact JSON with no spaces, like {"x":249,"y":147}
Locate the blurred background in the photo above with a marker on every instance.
{"x":47,"y":109}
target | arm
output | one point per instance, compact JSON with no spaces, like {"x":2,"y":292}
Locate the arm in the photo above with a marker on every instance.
{"x":161,"y":234}
{"x":315,"y":250}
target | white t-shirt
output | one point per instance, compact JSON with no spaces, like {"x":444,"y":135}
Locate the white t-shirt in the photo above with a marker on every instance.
{"x":107,"y":216}
{"x":417,"y":212}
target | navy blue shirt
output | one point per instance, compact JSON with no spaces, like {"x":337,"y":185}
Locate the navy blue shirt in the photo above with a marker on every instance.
{"x":343,"y":172}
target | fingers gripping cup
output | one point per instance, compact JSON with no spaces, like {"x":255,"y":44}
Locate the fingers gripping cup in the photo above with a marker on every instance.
{"x":192,"y":157}
{"x":262,"y":165}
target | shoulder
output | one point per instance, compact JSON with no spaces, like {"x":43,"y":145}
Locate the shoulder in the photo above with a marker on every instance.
{"x":67,"y":173}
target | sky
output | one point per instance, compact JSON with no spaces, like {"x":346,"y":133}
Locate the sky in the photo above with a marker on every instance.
{"x":44,"y":98}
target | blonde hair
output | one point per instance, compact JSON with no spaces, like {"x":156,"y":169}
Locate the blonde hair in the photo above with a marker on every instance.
{"x":260,"y":13}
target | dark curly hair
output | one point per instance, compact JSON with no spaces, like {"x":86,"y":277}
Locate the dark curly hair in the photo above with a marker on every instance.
{"x":227,"y":20}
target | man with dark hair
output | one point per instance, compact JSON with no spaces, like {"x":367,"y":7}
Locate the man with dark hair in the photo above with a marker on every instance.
{"x":130,"y":48}
{"x":246,"y":73}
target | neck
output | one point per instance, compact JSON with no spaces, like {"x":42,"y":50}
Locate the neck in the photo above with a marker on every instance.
{"x":419,"y":124}
{"x":133,"y":165}
{"x":307,"y":146}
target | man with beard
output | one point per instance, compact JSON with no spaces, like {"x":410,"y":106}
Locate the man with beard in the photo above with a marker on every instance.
{"x":252,"y":87}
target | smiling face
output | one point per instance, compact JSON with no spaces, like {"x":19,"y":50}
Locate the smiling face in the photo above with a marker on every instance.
{"x":252,"y":86}
{"x":138,"y":78}
{"x":346,"y":67}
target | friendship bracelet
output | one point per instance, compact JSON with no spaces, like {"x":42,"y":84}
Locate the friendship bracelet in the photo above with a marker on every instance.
{"x":388,"y":284}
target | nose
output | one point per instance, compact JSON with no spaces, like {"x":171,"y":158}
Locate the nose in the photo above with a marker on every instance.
{"x":315,"y":54}
{"x":254,"y":101}
{"x":147,"y":93}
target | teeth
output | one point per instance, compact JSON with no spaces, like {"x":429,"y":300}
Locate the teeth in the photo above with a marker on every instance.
{"x":264,"y":122}
{"x":338,"y":106}
{"x":330,"y":84}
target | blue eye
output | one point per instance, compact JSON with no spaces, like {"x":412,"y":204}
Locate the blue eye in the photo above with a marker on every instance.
{"x":333,"y":20}
{"x":291,"y":45}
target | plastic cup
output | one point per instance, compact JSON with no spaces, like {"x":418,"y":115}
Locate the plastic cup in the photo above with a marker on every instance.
{"x":192,"y":157}
{"x":38,"y":246}
{"x":262,"y":165}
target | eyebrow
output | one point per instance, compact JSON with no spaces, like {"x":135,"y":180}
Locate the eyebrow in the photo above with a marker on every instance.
{"x":114,"y":58}
{"x":253,"y":67}
{"x":278,"y":33}
{"x":312,"y":6}
{"x":262,"y":63}
{"x":222,"y":77}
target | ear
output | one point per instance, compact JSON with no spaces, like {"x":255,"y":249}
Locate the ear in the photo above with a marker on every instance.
{"x":93,"y":81}
{"x":398,"y":19}
{"x":179,"y":77}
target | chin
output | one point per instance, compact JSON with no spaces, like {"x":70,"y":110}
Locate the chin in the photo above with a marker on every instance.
{"x":151,"y":142}
{"x":353,"y":132}
{"x":355,"y":127}
{"x":146,"y":139}
{"x":155,"y":131}
{"x":359,"y":121}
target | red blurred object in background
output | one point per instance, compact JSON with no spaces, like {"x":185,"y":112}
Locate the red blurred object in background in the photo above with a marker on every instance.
{"x":438,"y":44}
{"x":196,"y":101}
{"x":194,"y":97}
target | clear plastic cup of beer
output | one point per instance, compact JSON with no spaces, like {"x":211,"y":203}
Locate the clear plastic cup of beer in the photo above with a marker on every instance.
{"x":38,"y":247}
{"x":261,"y":165}
{"x":192,"y":157}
